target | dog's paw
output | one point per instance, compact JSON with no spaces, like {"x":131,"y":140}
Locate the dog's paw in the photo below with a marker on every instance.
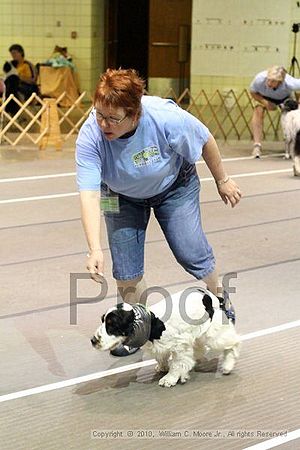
{"x":184,"y":378}
{"x":160,"y":369}
{"x":230,"y":357}
{"x":226,"y":371}
{"x":287,"y":156}
{"x":228,"y":363}
{"x":168,"y":381}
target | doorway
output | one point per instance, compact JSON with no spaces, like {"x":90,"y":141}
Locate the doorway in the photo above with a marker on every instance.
{"x":127,"y":32}
{"x":153,"y":37}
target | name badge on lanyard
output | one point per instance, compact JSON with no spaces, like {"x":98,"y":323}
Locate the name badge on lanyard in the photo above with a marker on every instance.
{"x":109,"y":201}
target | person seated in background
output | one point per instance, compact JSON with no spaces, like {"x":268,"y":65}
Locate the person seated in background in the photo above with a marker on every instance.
{"x":269,"y":89}
{"x":11,"y":82}
{"x":26,"y":72}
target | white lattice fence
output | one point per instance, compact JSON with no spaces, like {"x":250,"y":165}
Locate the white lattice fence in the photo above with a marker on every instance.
{"x":44,"y":122}
{"x":25,"y":123}
{"x":227,"y":115}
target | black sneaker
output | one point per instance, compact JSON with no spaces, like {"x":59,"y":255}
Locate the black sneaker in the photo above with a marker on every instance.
{"x":123,"y":350}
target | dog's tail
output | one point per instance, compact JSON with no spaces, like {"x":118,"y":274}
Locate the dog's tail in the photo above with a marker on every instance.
{"x":297,"y":144}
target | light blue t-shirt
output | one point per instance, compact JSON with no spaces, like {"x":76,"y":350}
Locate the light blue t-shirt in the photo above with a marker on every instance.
{"x":284,"y":90}
{"x":146,"y":163}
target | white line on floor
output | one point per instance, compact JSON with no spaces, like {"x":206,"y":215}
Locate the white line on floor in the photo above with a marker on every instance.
{"x":72,"y":174}
{"x":138,"y":365}
{"x":38,"y":177}
{"x":278,"y":440}
{"x":243,"y":158}
{"x":251,"y":174}
{"x":276,"y":329}
{"x":70,"y":194}
{"x":40,"y":197}
{"x":73,"y":381}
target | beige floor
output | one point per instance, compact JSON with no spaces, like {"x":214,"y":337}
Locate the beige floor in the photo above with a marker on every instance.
{"x":42,"y":243}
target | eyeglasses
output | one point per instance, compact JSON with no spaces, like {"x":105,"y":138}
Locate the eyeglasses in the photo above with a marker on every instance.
{"x":109,"y":119}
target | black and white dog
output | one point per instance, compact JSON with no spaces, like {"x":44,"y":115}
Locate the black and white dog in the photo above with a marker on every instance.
{"x":12,"y":82}
{"x":187,"y":327}
{"x":290,"y":122}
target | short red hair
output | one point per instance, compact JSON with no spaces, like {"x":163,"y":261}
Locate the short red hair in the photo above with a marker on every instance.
{"x":122,"y":88}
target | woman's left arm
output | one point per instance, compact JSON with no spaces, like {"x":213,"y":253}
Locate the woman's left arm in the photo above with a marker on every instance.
{"x":228,"y":189}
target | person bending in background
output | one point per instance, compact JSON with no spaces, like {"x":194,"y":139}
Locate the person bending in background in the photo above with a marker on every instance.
{"x":269,"y":89}
{"x":143,"y":150}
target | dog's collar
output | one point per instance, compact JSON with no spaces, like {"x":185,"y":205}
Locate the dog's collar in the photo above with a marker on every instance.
{"x":141,"y":326}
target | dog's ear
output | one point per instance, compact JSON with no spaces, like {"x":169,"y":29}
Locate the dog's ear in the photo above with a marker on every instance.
{"x":157,"y":327}
{"x":119,"y":322}
{"x":127,"y":323}
{"x":6,"y":67}
{"x":207,"y":303}
{"x":290,"y":105}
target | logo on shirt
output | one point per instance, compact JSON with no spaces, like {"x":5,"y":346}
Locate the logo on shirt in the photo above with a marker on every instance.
{"x":146,"y":157}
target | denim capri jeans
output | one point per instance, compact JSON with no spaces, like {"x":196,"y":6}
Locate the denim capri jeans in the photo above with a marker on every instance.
{"x":177,"y":210}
